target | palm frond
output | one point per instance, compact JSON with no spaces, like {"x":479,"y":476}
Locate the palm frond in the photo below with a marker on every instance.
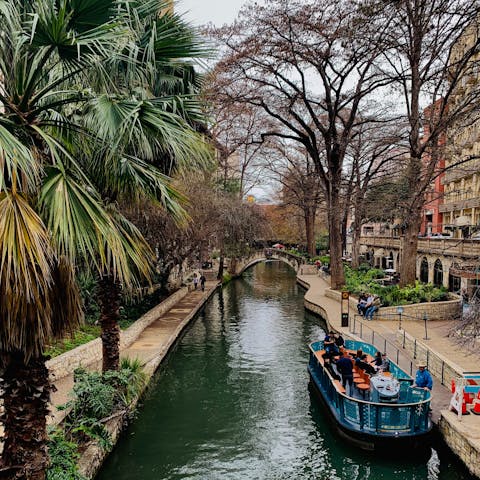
{"x":25,"y":277}
{"x":19,"y":168}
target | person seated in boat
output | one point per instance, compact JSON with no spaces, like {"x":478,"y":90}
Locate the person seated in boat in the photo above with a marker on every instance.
{"x":339,"y":341}
{"x":345,"y":368}
{"x":377,"y":361}
{"x":329,"y":337}
{"x":357,"y":355}
{"x":423,"y":378}
{"x":331,"y":350}
{"x":385,"y":366}
{"x":364,"y":365}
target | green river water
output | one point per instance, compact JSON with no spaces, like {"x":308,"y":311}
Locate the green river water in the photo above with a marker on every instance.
{"x":232,"y":400}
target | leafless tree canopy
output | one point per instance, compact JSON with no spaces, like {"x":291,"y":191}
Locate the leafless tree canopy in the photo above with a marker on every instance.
{"x":308,"y":66}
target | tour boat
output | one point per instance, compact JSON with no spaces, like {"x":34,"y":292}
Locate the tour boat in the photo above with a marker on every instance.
{"x":382,"y":412}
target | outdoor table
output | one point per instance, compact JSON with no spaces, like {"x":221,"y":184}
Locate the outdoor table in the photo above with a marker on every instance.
{"x":387,"y":387}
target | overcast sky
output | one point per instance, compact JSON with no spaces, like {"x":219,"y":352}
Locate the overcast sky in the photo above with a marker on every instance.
{"x":216,"y":11}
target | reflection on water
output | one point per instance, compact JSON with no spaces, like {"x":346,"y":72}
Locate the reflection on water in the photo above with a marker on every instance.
{"x":232,"y":401}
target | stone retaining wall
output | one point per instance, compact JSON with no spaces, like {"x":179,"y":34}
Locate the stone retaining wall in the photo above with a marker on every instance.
{"x":91,"y":352}
{"x":435,"y":310}
{"x":457,"y":434}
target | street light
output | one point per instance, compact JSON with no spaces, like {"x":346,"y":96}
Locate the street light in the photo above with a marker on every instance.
{"x":425,"y":318}
{"x":399,"y":311}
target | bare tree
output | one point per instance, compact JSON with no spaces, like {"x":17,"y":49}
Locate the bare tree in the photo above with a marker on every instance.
{"x":294,"y":170}
{"x":425,"y":56}
{"x":375,"y":154}
{"x":308,"y":65}
{"x":233,"y":131}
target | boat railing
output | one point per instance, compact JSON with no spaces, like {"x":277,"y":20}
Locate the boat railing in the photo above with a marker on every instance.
{"x":409,"y":416}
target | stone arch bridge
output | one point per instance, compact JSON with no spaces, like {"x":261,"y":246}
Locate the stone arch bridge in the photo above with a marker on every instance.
{"x":238,"y":266}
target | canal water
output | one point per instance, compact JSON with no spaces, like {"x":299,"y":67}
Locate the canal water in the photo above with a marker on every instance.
{"x":232,"y":401}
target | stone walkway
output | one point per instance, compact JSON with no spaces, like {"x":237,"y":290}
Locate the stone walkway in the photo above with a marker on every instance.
{"x":150,"y":347}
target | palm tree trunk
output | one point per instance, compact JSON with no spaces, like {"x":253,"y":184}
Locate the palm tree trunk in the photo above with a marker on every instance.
{"x":26,"y":396}
{"x":109,"y":297}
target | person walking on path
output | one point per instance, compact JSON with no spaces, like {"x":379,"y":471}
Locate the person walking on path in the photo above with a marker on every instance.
{"x":195,"y":281}
{"x":423,"y":378}
{"x":202,"y":281}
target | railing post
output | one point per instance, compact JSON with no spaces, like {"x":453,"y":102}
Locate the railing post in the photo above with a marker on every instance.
{"x":415,"y":348}
{"x":443,"y":372}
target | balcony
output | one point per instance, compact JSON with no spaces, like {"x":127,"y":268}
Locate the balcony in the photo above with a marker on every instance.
{"x":459,"y":205}
{"x":452,"y":247}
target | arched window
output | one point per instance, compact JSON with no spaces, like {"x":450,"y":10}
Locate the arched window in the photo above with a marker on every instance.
{"x":424,"y":270}
{"x":438,"y":273}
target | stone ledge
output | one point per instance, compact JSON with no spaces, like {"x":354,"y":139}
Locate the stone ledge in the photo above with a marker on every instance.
{"x":461,"y":439}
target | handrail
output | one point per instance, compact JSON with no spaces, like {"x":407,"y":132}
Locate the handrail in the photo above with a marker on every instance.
{"x":393,"y":350}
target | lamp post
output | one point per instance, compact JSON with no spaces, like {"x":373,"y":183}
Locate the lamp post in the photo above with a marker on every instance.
{"x":399,"y":311}
{"x":425,"y":318}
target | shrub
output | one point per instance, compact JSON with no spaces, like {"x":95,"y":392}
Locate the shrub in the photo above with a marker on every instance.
{"x":63,"y":457}
{"x":358,"y":281}
{"x":96,"y":396}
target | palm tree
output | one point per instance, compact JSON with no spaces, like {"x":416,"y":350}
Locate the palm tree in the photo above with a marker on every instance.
{"x":146,"y":124}
{"x":50,"y":212}
{"x":55,"y":56}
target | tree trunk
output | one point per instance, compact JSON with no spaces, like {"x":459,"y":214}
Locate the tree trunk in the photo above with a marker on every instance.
{"x":109,"y":298}
{"x":408,"y":250}
{"x":221,"y":263}
{"x":26,"y":396}
{"x":343,"y":230}
{"x":337,"y":278}
{"x":357,"y":230}
{"x":310,"y":232}
{"x":232,"y":266}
